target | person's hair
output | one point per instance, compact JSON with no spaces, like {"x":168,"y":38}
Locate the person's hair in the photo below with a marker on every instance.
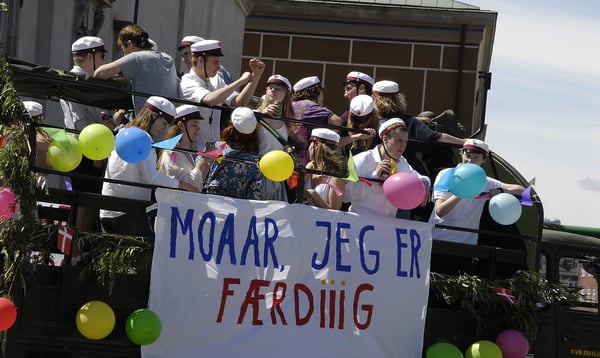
{"x":368,"y":89}
{"x":326,"y":156}
{"x":310,"y":93}
{"x":395,"y":130}
{"x":173,"y":131}
{"x":385,"y":105}
{"x":79,"y":58}
{"x":144,"y":119}
{"x":236,"y":139}
{"x":138,"y":37}
{"x":287,"y":110}
{"x":362,"y":145}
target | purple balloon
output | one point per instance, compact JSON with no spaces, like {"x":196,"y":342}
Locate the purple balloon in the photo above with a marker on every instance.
{"x":512,"y":343}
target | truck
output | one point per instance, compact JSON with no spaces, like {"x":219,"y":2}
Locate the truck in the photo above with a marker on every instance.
{"x":550,"y":270}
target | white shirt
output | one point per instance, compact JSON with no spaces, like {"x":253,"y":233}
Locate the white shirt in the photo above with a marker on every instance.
{"x":466,"y":214}
{"x":77,"y":115}
{"x":194,"y":88}
{"x":181,"y":167}
{"x":144,"y":172}
{"x":371,"y":199}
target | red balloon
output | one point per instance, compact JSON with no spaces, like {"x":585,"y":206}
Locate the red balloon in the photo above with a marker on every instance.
{"x":404,"y":190}
{"x":512,"y":343}
{"x":8,"y":313}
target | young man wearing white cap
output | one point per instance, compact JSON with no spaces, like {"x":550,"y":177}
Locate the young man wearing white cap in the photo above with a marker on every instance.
{"x":308,"y":104}
{"x":88,"y":54}
{"x":185,"y":48}
{"x":379,"y":163}
{"x":151,"y":72}
{"x":356,"y":83}
{"x":450,"y":210}
{"x":202,"y":85}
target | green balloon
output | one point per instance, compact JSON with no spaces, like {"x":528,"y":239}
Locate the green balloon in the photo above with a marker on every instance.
{"x":483,"y":349}
{"x":64,"y":156}
{"x":443,"y":350}
{"x":96,"y":141}
{"x":143,"y":326}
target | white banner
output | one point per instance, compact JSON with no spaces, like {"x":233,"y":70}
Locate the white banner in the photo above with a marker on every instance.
{"x":234,"y":278}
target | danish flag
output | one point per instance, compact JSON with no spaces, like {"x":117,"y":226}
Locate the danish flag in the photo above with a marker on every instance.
{"x":506,"y":295}
{"x":65,"y":238}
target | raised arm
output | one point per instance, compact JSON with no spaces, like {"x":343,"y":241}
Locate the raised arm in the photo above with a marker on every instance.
{"x":107,"y":71}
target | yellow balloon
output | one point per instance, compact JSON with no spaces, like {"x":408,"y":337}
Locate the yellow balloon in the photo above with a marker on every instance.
{"x":96,"y":141}
{"x":64,"y":155}
{"x":95,"y":320}
{"x":276,"y":165}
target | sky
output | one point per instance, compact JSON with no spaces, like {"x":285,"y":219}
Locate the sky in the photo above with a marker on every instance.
{"x":543,"y":108}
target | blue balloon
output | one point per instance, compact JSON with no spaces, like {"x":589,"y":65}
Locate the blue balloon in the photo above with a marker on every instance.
{"x":133,"y":144}
{"x":468,"y":180}
{"x":505,"y":209}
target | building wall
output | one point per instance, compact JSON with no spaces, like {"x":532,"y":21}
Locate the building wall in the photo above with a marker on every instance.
{"x":42,"y":31}
{"x":434,"y":54}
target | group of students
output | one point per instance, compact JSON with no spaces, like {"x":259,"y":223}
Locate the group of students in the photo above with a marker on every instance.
{"x":375,"y":130}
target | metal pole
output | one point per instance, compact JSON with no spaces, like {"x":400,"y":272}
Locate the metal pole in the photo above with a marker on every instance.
{"x":135,"y":11}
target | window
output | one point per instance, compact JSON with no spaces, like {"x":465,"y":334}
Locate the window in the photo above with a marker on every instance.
{"x":571,"y":274}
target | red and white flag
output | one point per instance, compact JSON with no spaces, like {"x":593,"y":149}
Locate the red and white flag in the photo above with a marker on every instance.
{"x":507,"y":295}
{"x":65,"y":238}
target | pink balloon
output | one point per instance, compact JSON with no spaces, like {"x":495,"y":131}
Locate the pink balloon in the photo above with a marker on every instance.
{"x":404,"y":190}
{"x":8,"y":204}
{"x":512,"y":343}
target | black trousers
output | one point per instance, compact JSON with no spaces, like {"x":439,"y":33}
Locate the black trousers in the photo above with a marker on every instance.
{"x":128,"y":224}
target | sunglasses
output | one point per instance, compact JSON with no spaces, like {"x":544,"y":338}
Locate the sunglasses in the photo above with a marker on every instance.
{"x":474,"y":152}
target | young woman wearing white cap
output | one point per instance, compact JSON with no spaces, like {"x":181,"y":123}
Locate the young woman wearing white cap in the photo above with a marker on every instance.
{"x":277,"y":102}
{"x":153,"y":119}
{"x":391,"y":103}
{"x":181,"y":164}
{"x":237,"y":178}
{"x":361,"y":116}
{"x":325,"y":191}
{"x":42,"y":138}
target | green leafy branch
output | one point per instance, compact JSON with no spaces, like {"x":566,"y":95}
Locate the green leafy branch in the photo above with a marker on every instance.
{"x":478,"y":297}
